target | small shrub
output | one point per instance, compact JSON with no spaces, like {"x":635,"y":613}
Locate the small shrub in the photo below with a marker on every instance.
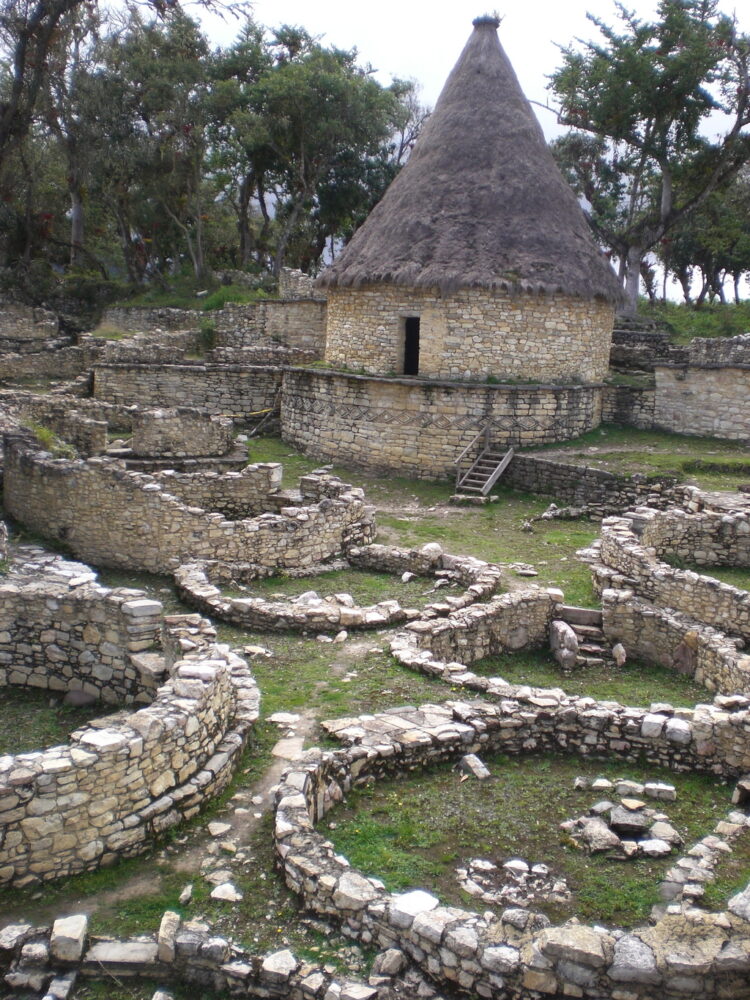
{"x":48,"y":440}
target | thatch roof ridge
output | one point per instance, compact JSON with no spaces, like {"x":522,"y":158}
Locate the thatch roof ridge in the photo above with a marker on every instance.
{"x":481,"y":202}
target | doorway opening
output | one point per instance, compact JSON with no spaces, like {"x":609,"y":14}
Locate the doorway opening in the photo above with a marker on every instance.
{"x":411,"y":345}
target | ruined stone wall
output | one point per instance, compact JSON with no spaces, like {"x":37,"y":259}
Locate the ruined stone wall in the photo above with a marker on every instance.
{"x":707,"y":401}
{"x":470,"y":334}
{"x":482,"y":954}
{"x":706,"y":538}
{"x":628,"y":405}
{"x":38,"y":407}
{"x":233,"y":494}
{"x":65,"y":363}
{"x":295,"y":284}
{"x":112,"y":517}
{"x":25,"y":329}
{"x":181,"y":432}
{"x":639,"y":349}
{"x":420,"y":428}
{"x":229,"y":389}
{"x":61,"y":638}
{"x":628,"y":554}
{"x":113,"y":788}
{"x":509,"y":622}
{"x":720,"y":350}
{"x":295,"y":323}
{"x":577,"y":484}
{"x":675,"y":641}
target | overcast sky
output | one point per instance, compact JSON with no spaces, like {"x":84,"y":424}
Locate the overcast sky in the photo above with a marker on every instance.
{"x":421,"y":39}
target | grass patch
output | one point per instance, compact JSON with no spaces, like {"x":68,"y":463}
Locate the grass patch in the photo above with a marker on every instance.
{"x":633,"y":684}
{"x":711,"y":320}
{"x":732,"y":875}
{"x":364,"y":586}
{"x":47,"y":439}
{"x":34,"y":720}
{"x":382,"y":830}
{"x":181,"y":293}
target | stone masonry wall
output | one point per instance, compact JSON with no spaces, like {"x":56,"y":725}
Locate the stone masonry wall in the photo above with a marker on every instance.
{"x":496,"y":957}
{"x":26,"y":329}
{"x":707,"y":401}
{"x":229,"y":389}
{"x":38,"y":407}
{"x":676,"y":641}
{"x":577,"y":484}
{"x":112,"y":517}
{"x":248,"y":493}
{"x":470,"y":334}
{"x":296,"y":323}
{"x":78,"y":636}
{"x":115,"y":786}
{"x":181,"y":432}
{"x":628,"y":405}
{"x":628,"y":554}
{"x":420,"y":428}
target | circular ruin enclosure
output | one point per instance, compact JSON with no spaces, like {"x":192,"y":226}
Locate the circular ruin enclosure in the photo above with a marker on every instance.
{"x":188,"y":954}
{"x":420,"y":427}
{"x":118,"y":518}
{"x":200,"y":585}
{"x":684,"y":620}
{"x":120,"y":781}
{"x":709,"y":954}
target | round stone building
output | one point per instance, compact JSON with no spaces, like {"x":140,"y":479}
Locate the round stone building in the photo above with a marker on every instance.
{"x":476,"y":272}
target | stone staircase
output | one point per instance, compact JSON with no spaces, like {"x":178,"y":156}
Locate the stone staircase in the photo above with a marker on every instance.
{"x":593,"y":648}
{"x":484,"y":472}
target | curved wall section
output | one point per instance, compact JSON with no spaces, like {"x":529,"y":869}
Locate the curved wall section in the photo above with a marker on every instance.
{"x":419,"y":428}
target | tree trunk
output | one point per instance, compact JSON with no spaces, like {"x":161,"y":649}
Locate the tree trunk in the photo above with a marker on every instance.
{"x":632,"y":280}
{"x":76,"y":223}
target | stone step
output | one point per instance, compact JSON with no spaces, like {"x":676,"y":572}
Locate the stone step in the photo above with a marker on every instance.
{"x":590,"y":661}
{"x":593,"y":648}
{"x":580,"y":616}
{"x":590,"y":631}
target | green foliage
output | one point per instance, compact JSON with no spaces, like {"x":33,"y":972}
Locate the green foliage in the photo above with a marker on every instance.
{"x":47,"y":438}
{"x":711,"y":320}
{"x":636,"y":101}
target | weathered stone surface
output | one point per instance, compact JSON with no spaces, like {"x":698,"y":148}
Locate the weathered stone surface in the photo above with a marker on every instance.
{"x":170,"y":924}
{"x":406,"y":906}
{"x":68,"y":938}
{"x":353,"y":892}
{"x":634,"y":962}
{"x":279,"y":966}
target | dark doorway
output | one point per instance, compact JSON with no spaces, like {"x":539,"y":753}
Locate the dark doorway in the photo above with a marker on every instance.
{"x":411,"y":345}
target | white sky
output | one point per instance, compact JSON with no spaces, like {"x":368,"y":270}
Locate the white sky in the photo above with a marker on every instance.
{"x":422,"y":39}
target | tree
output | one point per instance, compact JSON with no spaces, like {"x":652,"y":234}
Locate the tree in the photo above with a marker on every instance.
{"x":636,"y":104}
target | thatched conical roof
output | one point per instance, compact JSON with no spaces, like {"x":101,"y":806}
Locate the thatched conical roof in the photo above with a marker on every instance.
{"x":481,"y":202}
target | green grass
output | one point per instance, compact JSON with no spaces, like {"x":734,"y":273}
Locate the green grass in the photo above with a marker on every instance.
{"x":181,"y":294}
{"x":709,"y":463}
{"x":686,"y":322}
{"x":634,"y":684}
{"x":364,"y":586}
{"x":732,"y":874}
{"x":33,"y":720}
{"x":381,"y":829}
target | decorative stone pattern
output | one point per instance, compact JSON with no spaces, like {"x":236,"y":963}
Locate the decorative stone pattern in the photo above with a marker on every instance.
{"x":119,"y":781}
{"x":181,"y":432}
{"x":228,"y":389}
{"x":199,"y":584}
{"x":470,"y":334}
{"x":113,"y":517}
{"x":501,"y":957}
{"x":48,"y":962}
{"x":62,"y":631}
{"x":420,"y":428}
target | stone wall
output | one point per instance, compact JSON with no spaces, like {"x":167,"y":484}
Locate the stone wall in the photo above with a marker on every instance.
{"x":707,"y":401}
{"x":639,"y":349}
{"x":470,"y":334}
{"x":119,"y":781}
{"x":576,"y":484}
{"x":295,"y":284}
{"x":628,"y":405}
{"x":502,"y":958}
{"x":628,"y":556}
{"x":199,"y":585}
{"x":181,"y":432}
{"x":247,"y":493}
{"x":295,"y":323}
{"x":61,"y":631}
{"x":112,"y":517}
{"x":228,"y":389}
{"x":675,"y":641}
{"x":65,"y":363}
{"x":420,"y":428}
{"x":25,"y":329}
{"x":41,"y":407}
{"x":720,"y":350}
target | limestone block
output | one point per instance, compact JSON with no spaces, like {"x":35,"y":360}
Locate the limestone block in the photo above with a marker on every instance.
{"x":68,"y":938}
